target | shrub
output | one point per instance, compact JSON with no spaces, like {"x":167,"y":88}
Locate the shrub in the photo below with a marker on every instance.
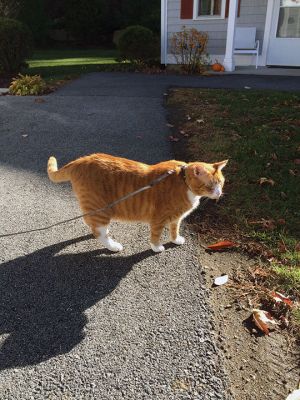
{"x":33,"y":14}
{"x":188,"y":48}
{"x":15,"y":45}
{"x":138,"y":44}
{"x":26,"y":85}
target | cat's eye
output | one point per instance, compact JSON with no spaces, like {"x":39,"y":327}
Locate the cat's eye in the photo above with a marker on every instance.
{"x":209,"y":188}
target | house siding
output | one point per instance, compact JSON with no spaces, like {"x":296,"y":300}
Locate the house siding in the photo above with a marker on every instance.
{"x":252,"y":14}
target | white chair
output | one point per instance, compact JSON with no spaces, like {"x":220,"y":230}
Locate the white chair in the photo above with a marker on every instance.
{"x":245,"y":43}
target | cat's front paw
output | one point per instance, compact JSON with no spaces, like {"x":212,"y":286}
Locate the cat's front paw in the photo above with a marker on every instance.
{"x":114,"y":246}
{"x":157,"y":249}
{"x":179,"y":240}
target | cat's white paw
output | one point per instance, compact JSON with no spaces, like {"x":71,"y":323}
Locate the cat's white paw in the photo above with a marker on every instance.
{"x":114,"y":246}
{"x":157,"y":249}
{"x":179,"y":240}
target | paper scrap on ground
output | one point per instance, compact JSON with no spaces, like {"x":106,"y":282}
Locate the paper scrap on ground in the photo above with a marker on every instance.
{"x":221,"y":280}
{"x":295,"y":395}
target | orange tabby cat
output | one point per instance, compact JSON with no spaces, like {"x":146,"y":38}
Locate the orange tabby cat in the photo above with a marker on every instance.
{"x":100,"y":179}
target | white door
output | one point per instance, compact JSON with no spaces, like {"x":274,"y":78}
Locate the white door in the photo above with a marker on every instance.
{"x":284,"y":44}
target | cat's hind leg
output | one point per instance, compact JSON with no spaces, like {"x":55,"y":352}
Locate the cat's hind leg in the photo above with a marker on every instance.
{"x":174,"y":233}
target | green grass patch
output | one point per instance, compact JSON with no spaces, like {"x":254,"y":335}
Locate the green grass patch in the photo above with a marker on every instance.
{"x":57,"y":64}
{"x":289,"y":277}
{"x":259,"y":132}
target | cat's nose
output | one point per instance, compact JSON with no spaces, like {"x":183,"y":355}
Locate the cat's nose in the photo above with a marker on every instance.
{"x":217,"y":192}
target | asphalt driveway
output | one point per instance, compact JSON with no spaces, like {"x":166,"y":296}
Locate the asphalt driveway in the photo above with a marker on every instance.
{"x":77,"y":322}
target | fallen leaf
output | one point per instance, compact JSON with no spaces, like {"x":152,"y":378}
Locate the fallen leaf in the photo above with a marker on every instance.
{"x":179,"y":384}
{"x":281,"y":221}
{"x":247,"y":87}
{"x":170,"y":125}
{"x":24,"y":135}
{"x":200,"y":121}
{"x":284,"y":320}
{"x":184,"y":133}
{"x":274,"y":156}
{"x":283,"y":195}
{"x":139,"y":137}
{"x":263,"y":180}
{"x":261,"y":272}
{"x":188,"y":117}
{"x":39,"y":100}
{"x":293,"y":172}
{"x":262,"y":319}
{"x":268,"y":224}
{"x":295,"y":395}
{"x":225,"y":244}
{"x":282,"y":247}
{"x":221,"y":280}
{"x":279,"y":297}
{"x":173,"y":139}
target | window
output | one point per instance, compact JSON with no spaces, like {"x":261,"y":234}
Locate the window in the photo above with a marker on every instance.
{"x":289,"y":19}
{"x":205,"y":9}
{"x":209,"y":7}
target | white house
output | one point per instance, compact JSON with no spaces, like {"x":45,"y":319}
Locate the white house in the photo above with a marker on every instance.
{"x":277,"y":24}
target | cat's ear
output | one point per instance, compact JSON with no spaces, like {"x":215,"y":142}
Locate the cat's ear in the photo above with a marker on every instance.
{"x":220,"y":165}
{"x":199,"y":170}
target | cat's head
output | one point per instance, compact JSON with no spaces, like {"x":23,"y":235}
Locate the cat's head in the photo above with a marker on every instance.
{"x":206,"y":179}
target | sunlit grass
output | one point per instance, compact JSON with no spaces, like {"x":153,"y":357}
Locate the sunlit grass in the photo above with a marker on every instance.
{"x":56,"y":64}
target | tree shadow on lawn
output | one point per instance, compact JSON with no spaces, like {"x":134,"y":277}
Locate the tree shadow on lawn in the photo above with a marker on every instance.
{"x":43,"y":297}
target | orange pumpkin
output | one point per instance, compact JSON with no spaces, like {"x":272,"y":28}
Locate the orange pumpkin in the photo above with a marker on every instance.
{"x":217,"y":67}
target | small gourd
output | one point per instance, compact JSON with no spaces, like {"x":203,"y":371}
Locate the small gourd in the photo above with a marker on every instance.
{"x":217,"y":67}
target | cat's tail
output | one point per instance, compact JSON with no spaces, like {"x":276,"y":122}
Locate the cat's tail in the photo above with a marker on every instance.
{"x":55,"y":175}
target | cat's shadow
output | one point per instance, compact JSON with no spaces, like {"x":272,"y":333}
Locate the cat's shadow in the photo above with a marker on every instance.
{"x":43,"y":297}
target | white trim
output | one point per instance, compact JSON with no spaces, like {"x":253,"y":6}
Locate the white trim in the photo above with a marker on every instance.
{"x":196,"y":17}
{"x":228,"y":61}
{"x":164,"y":32}
{"x":267,"y":33}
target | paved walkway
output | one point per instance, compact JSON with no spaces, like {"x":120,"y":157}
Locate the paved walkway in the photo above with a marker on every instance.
{"x":77,"y":322}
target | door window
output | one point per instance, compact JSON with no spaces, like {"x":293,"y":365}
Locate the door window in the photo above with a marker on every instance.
{"x":289,"y":19}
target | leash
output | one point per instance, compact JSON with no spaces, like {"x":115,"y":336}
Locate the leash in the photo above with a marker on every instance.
{"x":110,"y":205}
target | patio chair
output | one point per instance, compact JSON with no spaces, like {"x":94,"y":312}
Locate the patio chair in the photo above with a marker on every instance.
{"x":245,"y":43}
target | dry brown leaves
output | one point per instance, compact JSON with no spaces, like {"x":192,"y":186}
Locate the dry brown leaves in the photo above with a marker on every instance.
{"x":263,"y":181}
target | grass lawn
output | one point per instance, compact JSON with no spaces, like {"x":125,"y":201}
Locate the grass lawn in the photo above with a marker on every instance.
{"x":259,"y":132}
{"x":61,"y":63}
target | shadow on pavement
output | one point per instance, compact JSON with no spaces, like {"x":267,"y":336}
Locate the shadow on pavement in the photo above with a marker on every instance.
{"x":43,"y":297}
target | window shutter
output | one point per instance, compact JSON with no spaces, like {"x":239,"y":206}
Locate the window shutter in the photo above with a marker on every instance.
{"x":186,"y":11}
{"x":227,"y":8}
